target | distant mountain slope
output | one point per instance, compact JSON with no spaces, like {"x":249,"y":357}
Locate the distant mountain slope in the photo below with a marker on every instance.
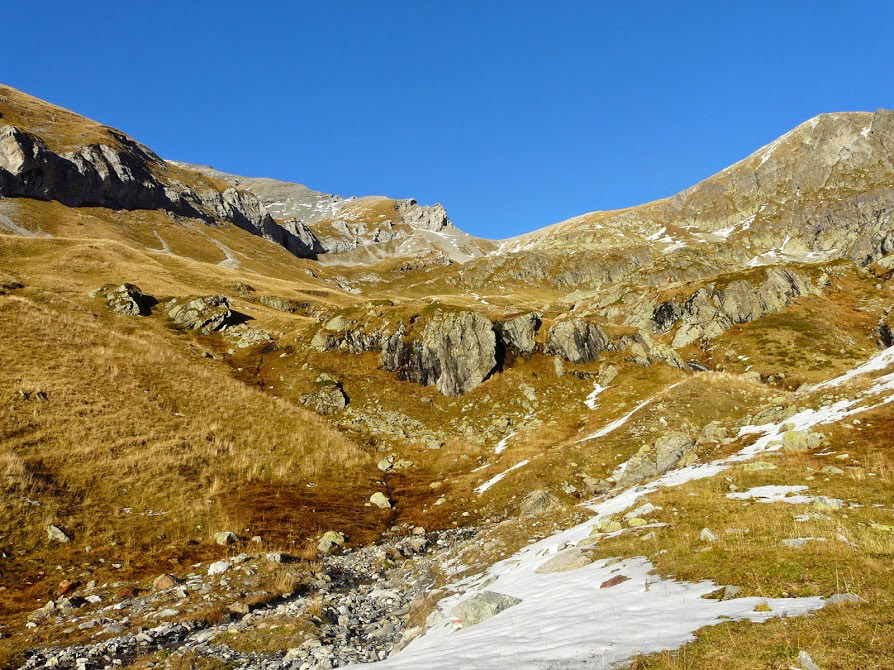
{"x":359,"y":230}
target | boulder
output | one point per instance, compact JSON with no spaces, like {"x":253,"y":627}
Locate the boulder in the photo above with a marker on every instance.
{"x":224,"y":537}
{"x":327,"y":398}
{"x":56,"y":534}
{"x":480,"y":607}
{"x":539,"y":502}
{"x":457,"y":351}
{"x":205,"y":314}
{"x":565,"y":561}
{"x":801,"y":440}
{"x":576,"y":340}
{"x":331,"y":539}
{"x":380,"y":500}
{"x":125,"y":299}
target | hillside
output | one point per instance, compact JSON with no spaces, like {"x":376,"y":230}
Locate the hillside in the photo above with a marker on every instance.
{"x":244,"y":423}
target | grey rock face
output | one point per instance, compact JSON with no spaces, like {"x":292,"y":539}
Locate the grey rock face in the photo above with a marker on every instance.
{"x":565,"y":561}
{"x":480,"y":608}
{"x":427,"y":217}
{"x":456,"y":353}
{"x":125,"y":299}
{"x":576,"y":340}
{"x":205,"y":314}
{"x":519,"y":332}
{"x":710,"y":312}
{"x":125,"y":176}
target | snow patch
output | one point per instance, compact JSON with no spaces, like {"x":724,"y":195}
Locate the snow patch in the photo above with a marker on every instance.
{"x":590,"y":401}
{"x":496,"y":478}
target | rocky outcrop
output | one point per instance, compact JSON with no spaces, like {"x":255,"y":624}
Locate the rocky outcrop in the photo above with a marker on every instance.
{"x":655,"y":459}
{"x":426,"y":217}
{"x":456,"y":352}
{"x":711,"y":310}
{"x":328,"y":396}
{"x":205,"y":314}
{"x":576,"y":340}
{"x":123,"y":174}
{"x":125,"y":299}
{"x":646,"y":351}
{"x":519,"y":332}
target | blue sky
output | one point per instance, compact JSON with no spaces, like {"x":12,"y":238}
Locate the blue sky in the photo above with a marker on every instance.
{"x":514,"y":115}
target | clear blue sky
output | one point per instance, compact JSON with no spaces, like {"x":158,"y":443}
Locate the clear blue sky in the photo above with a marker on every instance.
{"x":513,"y":114}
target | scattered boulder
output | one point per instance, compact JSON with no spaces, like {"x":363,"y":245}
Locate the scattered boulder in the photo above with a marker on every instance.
{"x":845,"y":599}
{"x":707,"y":535}
{"x":125,"y":299}
{"x":480,"y":607}
{"x":327,"y":398}
{"x":658,"y":458}
{"x":380,"y":500}
{"x":205,"y":314}
{"x":164,"y":581}
{"x":565,"y":561}
{"x":284,"y":304}
{"x":331,"y":539}
{"x":539,"y":502}
{"x":806,"y":662}
{"x":457,"y":351}
{"x":56,"y":534}
{"x":244,"y":336}
{"x":801,"y":440}
{"x":218,"y":568}
{"x":224,"y":537}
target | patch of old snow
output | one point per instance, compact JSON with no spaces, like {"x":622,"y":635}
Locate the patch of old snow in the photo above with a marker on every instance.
{"x":590,"y":400}
{"x":496,"y":478}
{"x":874,"y":364}
{"x":773,"y":493}
{"x":617,"y":423}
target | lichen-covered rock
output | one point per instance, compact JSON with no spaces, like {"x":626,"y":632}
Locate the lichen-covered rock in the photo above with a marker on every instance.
{"x":565,"y":561}
{"x":539,"y":502}
{"x":244,"y":336}
{"x":655,"y":459}
{"x":519,"y":332}
{"x":576,"y":340}
{"x":328,"y":396}
{"x":481,"y":607}
{"x":330,"y":540}
{"x":285,"y":304}
{"x":205,"y":314}
{"x":125,"y":299}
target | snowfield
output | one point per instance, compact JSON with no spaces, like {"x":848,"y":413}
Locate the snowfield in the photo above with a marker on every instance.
{"x":570,"y":618}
